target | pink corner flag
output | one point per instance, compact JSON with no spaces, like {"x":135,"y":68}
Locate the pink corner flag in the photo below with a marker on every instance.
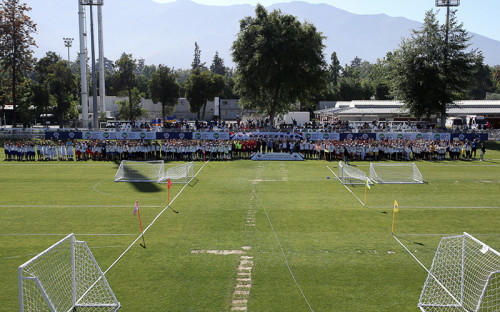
{"x":136,"y":208}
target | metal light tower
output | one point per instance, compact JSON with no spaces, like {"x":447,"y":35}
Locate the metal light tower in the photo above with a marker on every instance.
{"x":68,"y":42}
{"x":91,"y":3}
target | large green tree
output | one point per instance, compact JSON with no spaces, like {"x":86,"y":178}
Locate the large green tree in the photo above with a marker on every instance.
{"x":279,"y":62}
{"x":427,"y":73}
{"x":217,"y":66}
{"x":132,"y":110}
{"x":41,"y":98}
{"x":164,"y":89}
{"x":201,"y":87}
{"x":62,"y":86}
{"x":127,"y":67}
{"x":15,"y":46}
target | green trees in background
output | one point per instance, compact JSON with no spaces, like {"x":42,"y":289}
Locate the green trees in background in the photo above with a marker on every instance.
{"x":16,"y":52}
{"x":279,"y":62}
{"x":164,"y":89}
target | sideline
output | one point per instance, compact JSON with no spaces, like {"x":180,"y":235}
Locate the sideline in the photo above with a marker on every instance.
{"x":281,"y":247}
{"x":139,"y":237}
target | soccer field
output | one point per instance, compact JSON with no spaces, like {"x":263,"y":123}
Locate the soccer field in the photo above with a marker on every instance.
{"x":268,"y":236}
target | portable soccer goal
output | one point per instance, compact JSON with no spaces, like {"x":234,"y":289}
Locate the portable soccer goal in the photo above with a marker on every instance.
{"x":465,"y":276}
{"x":177,"y":174}
{"x":139,"y":171}
{"x":351,"y":175}
{"x":395,"y":173}
{"x":65,"y":277}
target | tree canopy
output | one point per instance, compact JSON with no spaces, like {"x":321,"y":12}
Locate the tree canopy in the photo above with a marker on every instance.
{"x":428,"y":74}
{"x":164,"y":89}
{"x":15,"y":45}
{"x":279,"y":62}
{"x":201,"y":87}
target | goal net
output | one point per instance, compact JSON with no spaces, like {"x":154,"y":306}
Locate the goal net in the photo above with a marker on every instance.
{"x":465,"y":276}
{"x":65,"y":277}
{"x":395,"y":173}
{"x":350,"y":175}
{"x":177,"y":174}
{"x":139,"y":171}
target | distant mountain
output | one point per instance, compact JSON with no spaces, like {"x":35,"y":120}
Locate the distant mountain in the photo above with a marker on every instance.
{"x":165,"y":33}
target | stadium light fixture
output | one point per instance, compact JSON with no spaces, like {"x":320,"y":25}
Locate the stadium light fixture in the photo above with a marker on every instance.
{"x":68,"y":42}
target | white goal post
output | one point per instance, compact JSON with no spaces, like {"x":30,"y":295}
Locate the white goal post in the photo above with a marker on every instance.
{"x":465,"y":276}
{"x":352,"y":176}
{"x":65,"y":277}
{"x":177,"y":174}
{"x":395,"y":173}
{"x":139,"y":171}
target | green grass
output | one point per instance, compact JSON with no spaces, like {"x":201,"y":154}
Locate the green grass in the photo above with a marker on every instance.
{"x":341,"y":254}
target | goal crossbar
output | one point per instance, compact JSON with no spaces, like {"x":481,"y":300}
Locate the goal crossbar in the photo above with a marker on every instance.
{"x":465,"y":276}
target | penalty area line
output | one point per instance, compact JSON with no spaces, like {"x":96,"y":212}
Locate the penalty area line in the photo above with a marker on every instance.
{"x":336,"y":177}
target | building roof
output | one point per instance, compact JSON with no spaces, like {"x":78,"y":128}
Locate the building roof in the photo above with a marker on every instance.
{"x":394,"y":108}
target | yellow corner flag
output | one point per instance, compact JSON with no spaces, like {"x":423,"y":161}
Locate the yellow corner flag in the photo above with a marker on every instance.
{"x":367,"y":186}
{"x":396,"y":209}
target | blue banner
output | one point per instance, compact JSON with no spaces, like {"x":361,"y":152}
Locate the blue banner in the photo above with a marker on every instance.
{"x":469,"y":136}
{"x":174,"y":135}
{"x":63,"y":135}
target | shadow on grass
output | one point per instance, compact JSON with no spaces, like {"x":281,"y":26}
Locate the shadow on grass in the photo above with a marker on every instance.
{"x":492,"y":146}
{"x":411,"y":241}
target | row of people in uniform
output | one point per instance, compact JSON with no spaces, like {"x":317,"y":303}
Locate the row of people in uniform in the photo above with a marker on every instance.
{"x":181,"y":149}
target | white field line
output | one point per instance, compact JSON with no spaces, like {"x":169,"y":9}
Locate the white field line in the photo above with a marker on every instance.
{"x":53,"y":234}
{"x":336,"y":177}
{"x":68,"y":163}
{"x":433,"y":207}
{"x":441,"y":165}
{"x":139,"y":237}
{"x":444,"y":235}
{"x":72,"y":206}
{"x":281,"y":247}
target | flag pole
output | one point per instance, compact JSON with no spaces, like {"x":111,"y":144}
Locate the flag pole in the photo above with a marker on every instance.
{"x":394,"y":211}
{"x":142,"y":233}
{"x":393,"y":217}
{"x":364,"y":203}
{"x":140,"y":223}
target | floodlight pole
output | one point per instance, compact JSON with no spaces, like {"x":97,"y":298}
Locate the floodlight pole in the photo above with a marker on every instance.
{"x":84,"y":93}
{"x":95,"y":114}
{"x":68,"y":44}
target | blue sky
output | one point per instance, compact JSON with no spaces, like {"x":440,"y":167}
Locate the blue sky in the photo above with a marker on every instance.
{"x":479,"y":16}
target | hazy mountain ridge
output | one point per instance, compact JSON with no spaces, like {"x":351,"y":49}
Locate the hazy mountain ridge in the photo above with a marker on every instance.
{"x":165,"y":33}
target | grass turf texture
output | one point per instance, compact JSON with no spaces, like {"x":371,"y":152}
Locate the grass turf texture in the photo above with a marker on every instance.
{"x":341,"y":253}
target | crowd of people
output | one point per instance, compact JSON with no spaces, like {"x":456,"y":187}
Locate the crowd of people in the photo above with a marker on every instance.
{"x":199,"y":150}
